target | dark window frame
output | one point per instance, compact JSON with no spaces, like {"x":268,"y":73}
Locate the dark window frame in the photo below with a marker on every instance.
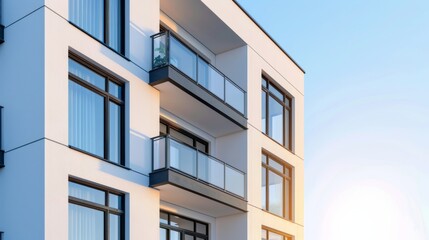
{"x":104,"y":208}
{"x":271,"y":230}
{"x":182,"y":231}
{"x":107,"y":99}
{"x":106,"y":27}
{"x":287,"y":108}
{"x":195,"y":138}
{"x":287,"y":179}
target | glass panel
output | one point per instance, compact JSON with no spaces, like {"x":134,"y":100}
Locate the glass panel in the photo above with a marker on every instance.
{"x":287,"y":198}
{"x":115,"y":90}
{"x":264,"y":234}
{"x":264,"y":83}
{"x":88,"y":15}
{"x":180,"y":222}
{"x":159,"y":51}
{"x":264,"y":188}
{"x":159,"y":153}
{"x":114,"y":227}
{"x":181,"y":137}
{"x":234,"y":181}
{"x":210,"y":79}
{"x":183,"y":58}
{"x":287,"y":127}
{"x":210,"y":170}
{"x":189,"y":237}
{"x":86,"y":193}
{"x":115,"y":133}
{"x":115,"y":201}
{"x":115,"y":25}
{"x":162,"y":234}
{"x":234,"y":96}
{"x":202,"y":228}
{"x":275,"y":236}
{"x":279,"y":167}
{"x":275,"y":193}
{"x":162,"y":129}
{"x":85,"y":223}
{"x":200,"y":238}
{"x":183,"y":158}
{"x":86,"y":119}
{"x":264,"y":158}
{"x":86,"y":74}
{"x":264,"y":111}
{"x":163,"y":218}
{"x":287,"y":101}
{"x":276,"y":92}
{"x":202,"y":147}
{"x":276,"y":120}
{"x":174,"y":235}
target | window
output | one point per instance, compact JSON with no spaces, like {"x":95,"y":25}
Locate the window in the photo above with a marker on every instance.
{"x":276,"y":114}
{"x":95,"y":213}
{"x":276,"y":187}
{"x":102,"y":19}
{"x":183,"y":136}
{"x":174,"y":227}
{"x":96,"y":112}
{"x":271,"y":234}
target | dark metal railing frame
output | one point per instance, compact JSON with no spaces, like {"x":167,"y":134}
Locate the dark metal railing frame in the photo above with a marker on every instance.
{"x":168,"y":137}
{"x":168,"y":34}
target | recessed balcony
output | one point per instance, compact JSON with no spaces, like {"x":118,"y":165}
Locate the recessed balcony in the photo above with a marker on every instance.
{"x":194,"y":89}
{"x":190,"y":178}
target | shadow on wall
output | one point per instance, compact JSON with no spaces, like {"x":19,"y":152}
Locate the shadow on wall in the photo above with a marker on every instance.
{"x":140,"y":160}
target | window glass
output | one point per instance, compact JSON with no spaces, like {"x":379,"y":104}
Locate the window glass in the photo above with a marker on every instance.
{"x":114,"y":227}
{"x":86,"y":193}
{"x":115,"y":201}
{"x":275,"y":194}
{"x":264,"y":112}
{"x":115,"y":89}
{"x":86,"y":74}
{"x":201,"y":146}
{"x":181,"y":137}
{"x":264,"y":83}
{"x":189,"y":237}
{"x":264,"y":234}
{"x":276,"y":92}
{"x":201,"y":228}
{"x":115,"y":24}
{"x":277,"y":166}
{"x":86,"y":119}
{"x":275,"y":236}
{"x":115,"y":133}
{"x":181,"y":223}
{"x":163,"y":218}
{"x":88,"y":15}
{"x":183,"y":58}
{"x":264,"y":189}
{"x":287,"y":130}
{"x":276,"y":125}
{"x":264,"y":158}
{"x":162,"y":234}
{"x":85,"y":223}
{"x":162,"y":128}
{"x":174,"y":235}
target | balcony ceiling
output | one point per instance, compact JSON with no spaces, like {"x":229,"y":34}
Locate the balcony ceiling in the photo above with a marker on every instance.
{"x":203,"y":24}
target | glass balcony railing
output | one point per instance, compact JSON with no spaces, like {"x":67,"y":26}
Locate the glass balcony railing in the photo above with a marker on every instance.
{"x":171,"y":153}
{"x":168,"y":50}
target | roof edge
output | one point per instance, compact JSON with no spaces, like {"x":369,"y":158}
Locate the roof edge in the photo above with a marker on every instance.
{"x":268,"y":35}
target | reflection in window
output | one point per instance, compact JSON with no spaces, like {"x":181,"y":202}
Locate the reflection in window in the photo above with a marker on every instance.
{"x":89,"y":92}
{"x":87,"y":211}
{"x":276,"y":114}
{"x":276,"y":188}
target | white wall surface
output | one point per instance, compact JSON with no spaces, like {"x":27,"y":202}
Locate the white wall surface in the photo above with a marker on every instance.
{"x":22,"y":201}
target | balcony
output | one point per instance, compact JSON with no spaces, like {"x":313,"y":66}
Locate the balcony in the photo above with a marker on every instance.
{"x":188,"y":83}
{"x":192,"y":179}
{"x":1,"y":134}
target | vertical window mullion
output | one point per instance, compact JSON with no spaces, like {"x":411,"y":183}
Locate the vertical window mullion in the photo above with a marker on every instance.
{"x":107,"y":128}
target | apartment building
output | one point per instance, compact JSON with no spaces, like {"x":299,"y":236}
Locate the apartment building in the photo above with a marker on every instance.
{"x":147,"y":119}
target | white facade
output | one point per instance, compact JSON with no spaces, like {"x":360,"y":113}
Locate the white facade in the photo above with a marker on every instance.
{"x":34,"y":88}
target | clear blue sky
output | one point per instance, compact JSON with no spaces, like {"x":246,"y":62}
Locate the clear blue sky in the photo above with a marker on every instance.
{"x":367,"y":112}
